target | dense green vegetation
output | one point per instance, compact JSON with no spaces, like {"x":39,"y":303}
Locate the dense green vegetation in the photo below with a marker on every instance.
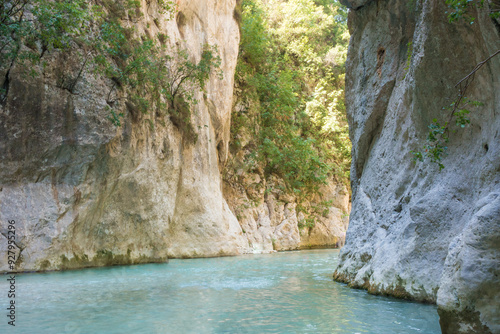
{"x":148,"y":75}
{"x":289,"y":116}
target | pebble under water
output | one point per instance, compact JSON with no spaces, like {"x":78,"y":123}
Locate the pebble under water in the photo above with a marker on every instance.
{"x":289,"y":292}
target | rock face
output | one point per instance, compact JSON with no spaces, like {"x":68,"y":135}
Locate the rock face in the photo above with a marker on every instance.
{"x":417,"y":232}
{"x":85,"y":193}
{"x":270,"y":221}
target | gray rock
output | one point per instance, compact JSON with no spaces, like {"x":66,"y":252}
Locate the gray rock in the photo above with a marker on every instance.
{"x":470,"y":280}
{"x":84,"y":193}
{"x":416,"y":232}
{"x":270,"y":220}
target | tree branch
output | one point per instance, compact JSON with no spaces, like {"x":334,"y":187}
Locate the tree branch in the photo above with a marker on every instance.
{"x":478,"y":66}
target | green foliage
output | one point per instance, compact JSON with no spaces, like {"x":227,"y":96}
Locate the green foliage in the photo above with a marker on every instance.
{"x":289,"y":84}
{"x":150,"y":77}
{"x":114,"y":117}
{"x":462,"y":120}
{"x":167,"y":79}
{"x":460,"y":9}
{"x":55,"y":25}
{"x":312,"y":212}
{"x":438,"y":136}
{"x":183,"y":74}
{"x":435,"y":147}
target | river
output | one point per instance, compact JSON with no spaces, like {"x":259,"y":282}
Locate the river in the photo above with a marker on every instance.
{"x":288,"y":292}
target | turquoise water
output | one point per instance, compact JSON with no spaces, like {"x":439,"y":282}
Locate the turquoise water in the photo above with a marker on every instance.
{"x":289,"y":292}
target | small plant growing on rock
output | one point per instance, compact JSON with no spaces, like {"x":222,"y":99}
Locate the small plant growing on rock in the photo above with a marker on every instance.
{"x":459,"y":9}
{"x":458,"y":111}
{"x":141,"y":70}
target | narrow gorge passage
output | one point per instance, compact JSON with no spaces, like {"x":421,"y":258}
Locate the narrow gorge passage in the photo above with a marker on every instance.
{"x":199,"y":140}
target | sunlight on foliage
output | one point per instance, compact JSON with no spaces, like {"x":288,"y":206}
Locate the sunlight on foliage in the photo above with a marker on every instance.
{"x":290,"y":92}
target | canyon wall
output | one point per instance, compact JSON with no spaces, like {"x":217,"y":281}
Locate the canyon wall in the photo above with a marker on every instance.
{"x":416,"y":231}
{"x":83,"y":192}
{"x":270,"y":219}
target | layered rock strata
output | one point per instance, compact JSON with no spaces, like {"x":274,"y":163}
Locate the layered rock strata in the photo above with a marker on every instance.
{"x":417,"y":232}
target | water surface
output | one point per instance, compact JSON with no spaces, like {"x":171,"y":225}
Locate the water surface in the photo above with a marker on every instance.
{"x":290,"y":292}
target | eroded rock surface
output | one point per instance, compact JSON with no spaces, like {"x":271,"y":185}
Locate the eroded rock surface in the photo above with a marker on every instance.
{"x":270,"y":219}
{"x":85,"y":193}
{"x":417,"y":232}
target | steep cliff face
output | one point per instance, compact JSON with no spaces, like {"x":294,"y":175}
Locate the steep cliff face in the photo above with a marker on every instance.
{"x":417,"y":232}
{"x":83,"y":192}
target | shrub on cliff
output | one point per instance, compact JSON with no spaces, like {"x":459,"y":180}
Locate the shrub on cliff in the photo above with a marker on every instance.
{"x":143,"y":71}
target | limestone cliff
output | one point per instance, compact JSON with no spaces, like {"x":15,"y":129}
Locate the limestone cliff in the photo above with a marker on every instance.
{"x":417,"y":232}
{"x":269,"y":217}
{"x":86,"y":193}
